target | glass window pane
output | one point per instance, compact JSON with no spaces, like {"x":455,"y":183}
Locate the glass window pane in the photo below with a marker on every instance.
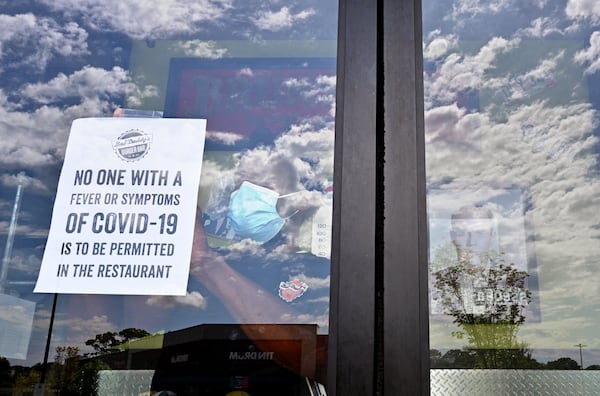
{"x":511,"y":123}
{"x":254,"y":318}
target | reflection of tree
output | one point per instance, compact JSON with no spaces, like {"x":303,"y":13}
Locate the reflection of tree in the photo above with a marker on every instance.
{"x":487,"y":301}
{"x":109,"y":342}
{"x":468,"y":358}
{"x":65,"y":371}
{"x":563,"y":363}
{"x":25,"y":381}
{"x":5,"y":373}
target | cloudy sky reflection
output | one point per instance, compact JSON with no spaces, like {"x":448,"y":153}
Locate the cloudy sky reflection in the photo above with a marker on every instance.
{"x":511,"y":102}
{"x":65,"y":59}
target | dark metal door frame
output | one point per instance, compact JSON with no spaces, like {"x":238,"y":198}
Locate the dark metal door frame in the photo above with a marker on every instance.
{"x":379,"y":322}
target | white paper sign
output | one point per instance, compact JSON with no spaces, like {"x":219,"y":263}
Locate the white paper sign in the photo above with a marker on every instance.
{"x":123,"y":219}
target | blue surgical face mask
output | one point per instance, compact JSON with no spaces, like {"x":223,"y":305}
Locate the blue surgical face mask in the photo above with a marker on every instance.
{"x":253,"y":213}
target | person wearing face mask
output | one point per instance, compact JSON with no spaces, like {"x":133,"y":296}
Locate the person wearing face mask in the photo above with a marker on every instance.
{"x":269,"y":290}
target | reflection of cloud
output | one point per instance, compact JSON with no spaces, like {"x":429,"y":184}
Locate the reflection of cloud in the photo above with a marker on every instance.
{"x":25,"y":136}
{"x":89,"y":82}
{"x":583,"y":9}
{"x":439,"y":46}
{"x":279,"y":20}
{"x":540,"y":27}
{"x":508,"y":158}
{"x":202,"y":49}
{"x":322,"y":320}
{"x":21,"y":179}
{"x":463,"y":9}
{"x":458,"y":72}
{"x":73,"y":330}
{"x":192,"y":299}
{"x":321,"y":88}
{"x":450,"y":124}
{"x":244,"y":248}
{"x":144,"y":19}
{"x":227,"y":138}
{"x":29,"y":263}
{"x":301,"y":157}
{"x":15,"y":313}
{"x":590,"y":55}
{"x":313,"y":282}
{"x":27,"y":40}
{"x":544,"y":146}
{"x":246,"y":72}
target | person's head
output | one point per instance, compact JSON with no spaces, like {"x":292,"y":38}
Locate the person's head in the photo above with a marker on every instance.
{"x":473,"y":230}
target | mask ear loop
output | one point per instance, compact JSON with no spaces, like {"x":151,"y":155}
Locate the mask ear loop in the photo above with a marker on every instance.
{"x":289,"y":195}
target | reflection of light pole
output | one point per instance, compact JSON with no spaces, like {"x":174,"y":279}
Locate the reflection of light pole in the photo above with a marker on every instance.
{"x":580,"y":345}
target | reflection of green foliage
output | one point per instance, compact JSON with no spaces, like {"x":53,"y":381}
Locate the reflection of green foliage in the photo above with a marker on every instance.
{"x":472,"y":358}
{"x":25,"y":382}
{"x":491,"y":331}
{"x":90,"y":376}
{"x":64,"y":375}
{"x":110,"y":341}
{"x":69,"y":377}
{"x":563,"y":363}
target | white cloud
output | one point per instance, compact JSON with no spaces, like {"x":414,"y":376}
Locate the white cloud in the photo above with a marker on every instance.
{"x":145,"y":19}
{"x":459,"y":72}
{"x":228,"y":138}
{"x":25,"y":138}
{"x":469,"y":8}
{"x":202,"y":49}
{"x":313,"y":282}
{"x":591,"y":55}
{"x":246,"y":72}
{"x":554,"y":161}
{"x":24,"y":134}
{"x":279,"y":20}
{"x":302,"y":155}
{"x":245,"y":248}
{"x":90,"y":83}
{"x":583,"y":9}
{"x":540,"y":28}
{"x":439,"y":46}
{"x":21,"y":179}
{"x":191,"y":299}
{"x":22,"y":259}
{"x":528,"y":84}
{"x":30,"y":41}
{"x":73,"y":330}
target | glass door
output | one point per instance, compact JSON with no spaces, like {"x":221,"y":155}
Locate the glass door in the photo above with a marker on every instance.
{"x":511,"y":129}
{"x":252,"y":315}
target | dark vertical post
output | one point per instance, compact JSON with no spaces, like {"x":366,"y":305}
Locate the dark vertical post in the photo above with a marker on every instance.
{"x":352,"y":329}
{"x":48,"y":340}
{"x":406,"y":334}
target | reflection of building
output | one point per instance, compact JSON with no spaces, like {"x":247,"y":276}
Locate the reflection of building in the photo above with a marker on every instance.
{"x":216,"y":359}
